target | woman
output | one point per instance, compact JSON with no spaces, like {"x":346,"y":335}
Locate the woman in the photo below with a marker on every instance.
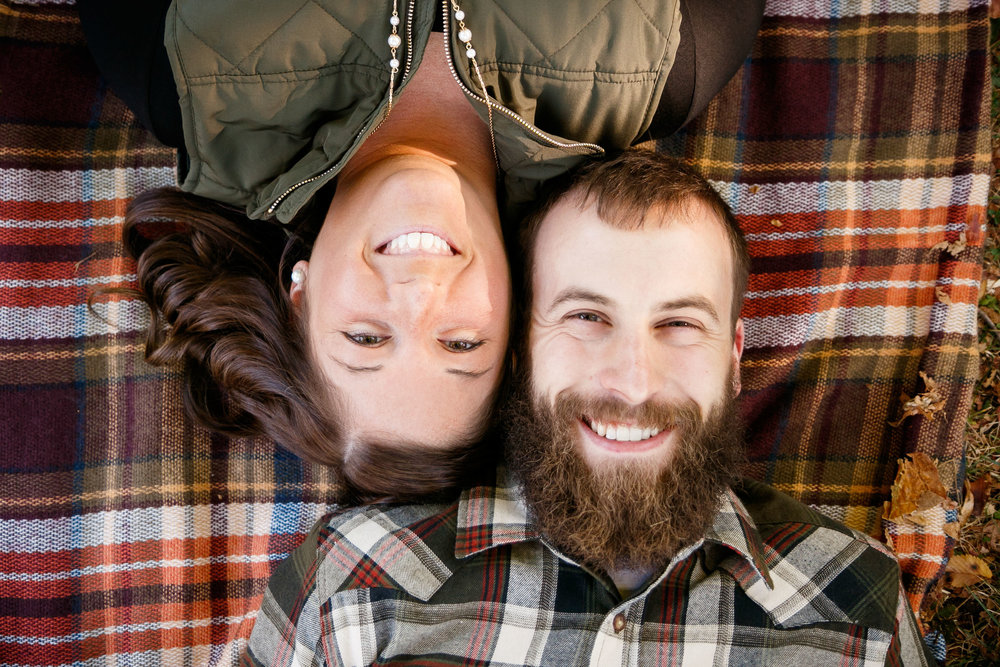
{"x":375,"y":338}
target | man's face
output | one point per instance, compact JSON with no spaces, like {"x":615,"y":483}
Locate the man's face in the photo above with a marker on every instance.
{"x":629,"y":320}
{"x":623,"y":429}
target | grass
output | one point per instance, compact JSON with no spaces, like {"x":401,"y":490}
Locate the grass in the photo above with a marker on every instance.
{"x":969,"y":616}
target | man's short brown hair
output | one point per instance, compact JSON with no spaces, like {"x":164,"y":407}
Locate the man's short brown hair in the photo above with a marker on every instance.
{"x":627,"y":188}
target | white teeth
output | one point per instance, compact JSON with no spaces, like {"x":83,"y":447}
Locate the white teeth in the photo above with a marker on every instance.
{"x":422,"y":241}
{"x":622,"y":433}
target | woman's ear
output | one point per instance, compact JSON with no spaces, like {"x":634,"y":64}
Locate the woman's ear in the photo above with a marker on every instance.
{"x":297,"y":291}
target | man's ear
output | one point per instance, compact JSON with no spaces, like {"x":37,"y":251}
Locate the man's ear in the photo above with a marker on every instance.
{"x":297,"y":291}
{"x":737,"y":355}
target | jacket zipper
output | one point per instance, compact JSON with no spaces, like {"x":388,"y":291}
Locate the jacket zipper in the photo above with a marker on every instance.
{"x":495,"y":105}
{"x":451,"y":66}
{"x":406,"y":70}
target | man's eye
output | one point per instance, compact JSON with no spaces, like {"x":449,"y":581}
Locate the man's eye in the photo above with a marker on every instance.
{"x":587,"y":317}
{"x":366,"y":339}
{"x":461,"y":345}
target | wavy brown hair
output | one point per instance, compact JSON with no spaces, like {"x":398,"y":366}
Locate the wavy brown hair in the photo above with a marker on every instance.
{"x":217,"y":285}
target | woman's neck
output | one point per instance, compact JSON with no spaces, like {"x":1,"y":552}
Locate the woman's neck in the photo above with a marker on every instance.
{"x":433,"y":117}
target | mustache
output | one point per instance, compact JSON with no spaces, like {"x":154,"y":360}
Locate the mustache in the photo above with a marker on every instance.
{"x":679,"y":416}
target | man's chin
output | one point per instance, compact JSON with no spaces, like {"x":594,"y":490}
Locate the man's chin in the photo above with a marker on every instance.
{"x":620,"y":506}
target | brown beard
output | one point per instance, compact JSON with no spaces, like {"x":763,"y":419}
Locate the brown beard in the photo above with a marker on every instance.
{"x":628,"y":516}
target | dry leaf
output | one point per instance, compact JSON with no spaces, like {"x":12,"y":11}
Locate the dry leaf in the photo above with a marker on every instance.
{"x":917,"y":488}
{"x":964,"y":570}
{"x":927,"y":404}
{"x":967,"y":505}
{"x":753,"y":189}
{"x":952,"y":529}
{"x":776,"y":223}
{"x":941,"y":295}
{"x":980,"y":491}
{"x":992,"y":531}
{"x":953,"y":249}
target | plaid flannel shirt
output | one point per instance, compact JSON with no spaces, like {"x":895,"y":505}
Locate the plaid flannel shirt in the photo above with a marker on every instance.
{"x":471,"y":583}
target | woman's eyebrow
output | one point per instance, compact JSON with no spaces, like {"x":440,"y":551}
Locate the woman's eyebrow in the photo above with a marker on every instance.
{"x":356,"y":369}
{"x":468,"y":374}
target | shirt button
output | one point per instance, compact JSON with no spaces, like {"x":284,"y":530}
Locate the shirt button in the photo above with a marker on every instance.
{"x":619,"y":623}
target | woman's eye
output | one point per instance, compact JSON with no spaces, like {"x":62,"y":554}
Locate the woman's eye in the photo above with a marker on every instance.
{"x":365,"y":339}
{"x":462,"y":345}
{"x":587,"y":317}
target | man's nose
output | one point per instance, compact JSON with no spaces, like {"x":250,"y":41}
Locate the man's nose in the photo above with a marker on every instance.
{"x":631,"y":371}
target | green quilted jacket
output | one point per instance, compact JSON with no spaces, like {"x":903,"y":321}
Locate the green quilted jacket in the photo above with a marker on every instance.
{"x":276,"y":95}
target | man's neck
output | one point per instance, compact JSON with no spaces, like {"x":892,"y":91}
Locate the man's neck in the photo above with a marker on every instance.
{"x":629,"y":582}
{"x":433,"y":117}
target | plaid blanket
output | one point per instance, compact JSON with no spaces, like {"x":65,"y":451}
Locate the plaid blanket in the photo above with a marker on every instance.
{"x":851,"y":145}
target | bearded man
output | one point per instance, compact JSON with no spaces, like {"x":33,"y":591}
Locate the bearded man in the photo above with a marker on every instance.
{"x":619,"y":533}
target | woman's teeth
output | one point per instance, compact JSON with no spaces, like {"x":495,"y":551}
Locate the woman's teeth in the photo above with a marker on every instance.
{"x":417,"y":241}
{"x":621,"y":432}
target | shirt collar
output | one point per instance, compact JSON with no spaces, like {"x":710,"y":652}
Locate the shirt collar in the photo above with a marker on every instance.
{"x":495,"y":516}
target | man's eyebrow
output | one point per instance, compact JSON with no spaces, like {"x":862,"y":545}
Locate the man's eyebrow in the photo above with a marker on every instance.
{"x":468,"y":374}
{"x":579,"y":294}
{"x":698,"y":302}
{"x":356,"y":369}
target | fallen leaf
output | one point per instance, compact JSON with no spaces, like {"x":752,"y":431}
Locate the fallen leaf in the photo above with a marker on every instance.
{"x":916,"y":489}
{"x":980,"y":491}
{"x":955,"y":248}
{"x":753,"y":189}
{"x":993,"y":533}
{"x":927,"y":404}
{"x":964,"y":570}
{"x":953,"y":529}
{"x":776,"y":223}
{"x":941,"y":295}
{"x":968,"y":504}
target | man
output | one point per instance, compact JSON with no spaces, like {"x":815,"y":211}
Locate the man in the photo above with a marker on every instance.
{"x":620,"y":534}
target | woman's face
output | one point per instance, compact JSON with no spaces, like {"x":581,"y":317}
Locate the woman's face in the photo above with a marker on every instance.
{"x":407,"y":296}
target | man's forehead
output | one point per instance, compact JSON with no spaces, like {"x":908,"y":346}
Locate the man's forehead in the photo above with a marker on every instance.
{"x":573,"y":217}
{"x":674,"y":255}
{"x":624,"y":217}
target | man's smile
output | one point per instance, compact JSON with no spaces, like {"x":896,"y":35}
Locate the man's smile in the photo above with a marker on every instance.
{"x":622,"y":432}
{"x":618,"y":437}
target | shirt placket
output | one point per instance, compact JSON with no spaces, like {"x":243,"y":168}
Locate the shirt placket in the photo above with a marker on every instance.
{"x":613,"y":644}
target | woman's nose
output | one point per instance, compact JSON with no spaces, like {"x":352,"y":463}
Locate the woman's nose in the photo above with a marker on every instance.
{"x":402,"y":270}
{"x":417,"y":298}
